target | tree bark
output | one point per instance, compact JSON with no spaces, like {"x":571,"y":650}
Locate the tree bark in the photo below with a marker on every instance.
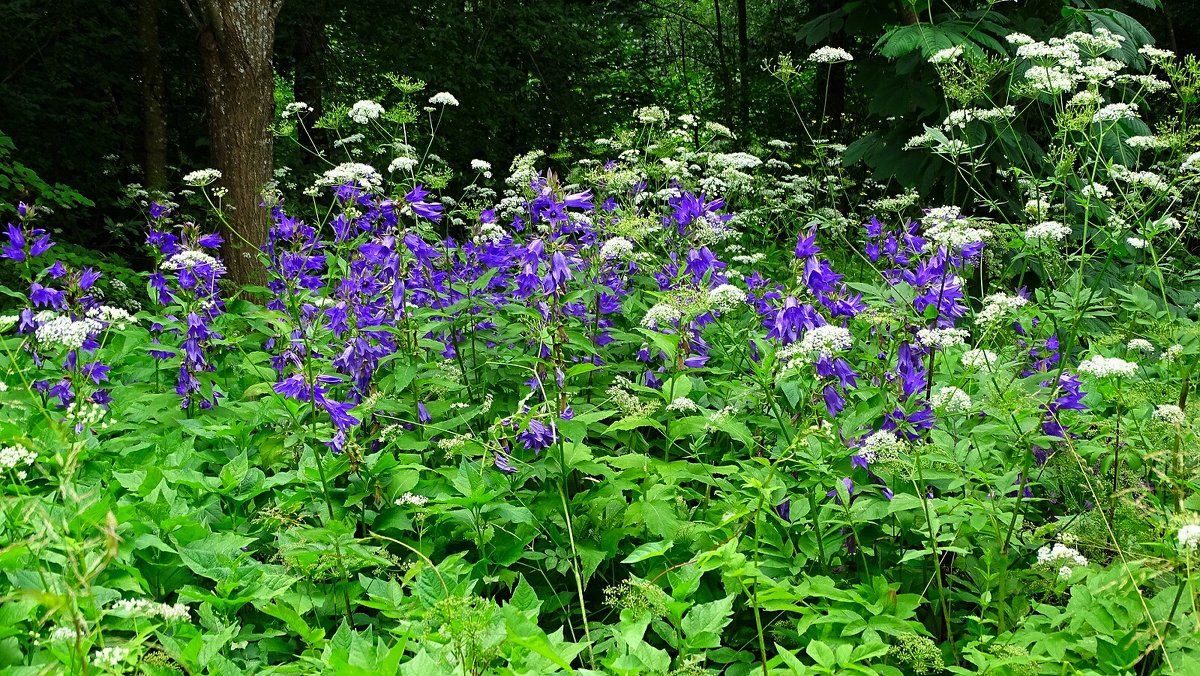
{"x":237,"y":39}
{"x":154,"y":121}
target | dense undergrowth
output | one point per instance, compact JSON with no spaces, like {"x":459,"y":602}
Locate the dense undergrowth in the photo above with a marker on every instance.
{"x":606,"y":422}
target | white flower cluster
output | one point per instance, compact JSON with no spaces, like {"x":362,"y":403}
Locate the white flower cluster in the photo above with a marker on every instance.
{"x":348,"y":140}
{"x":977,"y":359}
{"x":1115,"y":112}
{"x":1171,"y":353}
{"x":403,"y":164}
{"x":110,"y":657}
{"x":63,"y":331}
{"x":950,"y":399}
{"x":145,"y":608}
{"x":64,"y":634}
{"x":88,"y":415}
{"x":481,"y":166}
{"x":661,"y":313}
{"x":683,"y":405}
{"x":1100,"y":366}
{"x":726,"y":297}
{"x":190,"y":258}
{"x":202,"y":177}
{"x":997,"y":305}
{"x":1140,"y":345}
{"x":1095,"y":191}
{"x":651,"y":115}
{"x":1155,"y":54}
{"x":1145,"y":179}
{"x":491,"y":232}
{"x":882,"y":445}
{"x":412,"y":499}
{"x":1171,"y":414}
{"x":12,"y":457}
{"x":740,"y":161}
{"x":629,"y":403}
{"x":1052,"y":231}
{"x":1191,"y":163}
{"x":295,"y":109}
{"x":947,"y":55}
{"x":1051,"y":79}
{"x":443,"y":99}
{"x":616,"y":248}
{"x":826,"y":340}
{"x":946,"y":225}
{"x":115,"y":317}
{"x":830,"y":55}
{"x":1189,"y":536}
{"x":960,"y":118}
{"x":8,"y":321}
{"x":1147,"y":142}
{"x":363,"y":112}
{"x":1061,"y":557}
{"x":351,"y":172}
{"x":941,"y":338}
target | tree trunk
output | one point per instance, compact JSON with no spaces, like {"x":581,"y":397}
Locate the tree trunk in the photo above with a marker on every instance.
{"x":154,"y":121}
{"x":743,"y":69}
{"x":237,"y":40}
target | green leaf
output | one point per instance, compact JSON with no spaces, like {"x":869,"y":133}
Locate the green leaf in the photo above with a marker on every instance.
{"x":648,"y":551}
{"x":702,"y":624}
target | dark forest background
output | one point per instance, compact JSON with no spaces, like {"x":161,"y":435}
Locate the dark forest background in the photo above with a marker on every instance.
{"x":98,"y":94}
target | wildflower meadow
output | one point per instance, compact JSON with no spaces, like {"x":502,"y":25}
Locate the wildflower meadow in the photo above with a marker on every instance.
{"x":676,"y":399}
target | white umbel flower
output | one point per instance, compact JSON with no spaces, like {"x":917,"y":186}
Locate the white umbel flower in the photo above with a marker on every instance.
{"x":363,"y":112}
{"x":726,"y":297}
{"x":443,"y":99}
{"x":412,"y":499}
{"x":146,"y":608}
{"x":63,"y":331}
{"x":683,"y":405}
{"x":351,"y":172}
{"x":997,"y":306}
{"x":481,"y":166}
{"x":826,"y":340}
{"x":1100,"y":366}
{"x":941,"y":338}
{"x":202,"y":177}
{"x":661,"y":313}
{"x":402,"y":164}
{"x":1171,"y":414}
{"x":947,"y":55}
{"x":978,"y":359}
{"x":950,"y":399}
{"x":830,"y":55}
{"x":1062,"y":558}
{"x":1048,"y":231}
{"x":191,"y":258}
{"x":616,"y":248}
{"x":1140,"y":345}
{"x":110,"y":657}
{"x":1189,"y":536}
{"x":882,"y":445}
{"x":15,"y":456}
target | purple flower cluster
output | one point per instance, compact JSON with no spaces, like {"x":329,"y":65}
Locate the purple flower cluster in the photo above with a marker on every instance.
{"x":64,"y":319}
{"x":185,"y":285}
